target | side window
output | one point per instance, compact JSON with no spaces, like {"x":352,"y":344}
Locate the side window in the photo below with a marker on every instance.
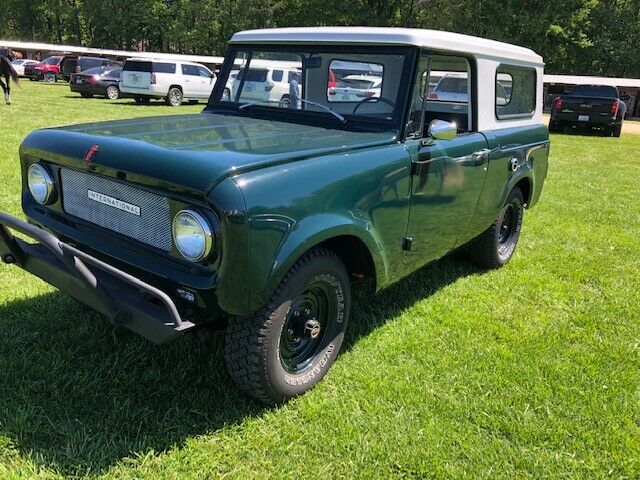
{"x":190,"y":70}
{"x":164,"y":67}
{"x":203,"y":72}
{"x":448,"y":86}
{"x":354,"y":81}
{"x":515,"y":92}
{"x":276,"y":76}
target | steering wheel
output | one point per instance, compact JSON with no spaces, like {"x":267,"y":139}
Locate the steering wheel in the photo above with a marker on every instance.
{"x":373,"y":99}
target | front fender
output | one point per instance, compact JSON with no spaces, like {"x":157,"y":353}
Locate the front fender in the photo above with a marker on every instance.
{"x":314,"y":230}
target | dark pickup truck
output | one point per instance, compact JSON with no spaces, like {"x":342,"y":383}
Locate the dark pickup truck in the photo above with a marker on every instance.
{"x":592,"y":106}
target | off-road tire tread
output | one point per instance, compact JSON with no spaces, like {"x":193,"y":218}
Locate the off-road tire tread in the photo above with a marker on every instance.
{"x":482,"y":249}
{"x":246,"y":336}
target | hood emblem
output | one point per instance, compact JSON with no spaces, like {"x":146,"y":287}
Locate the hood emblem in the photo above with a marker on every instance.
{"x":88,"y":157}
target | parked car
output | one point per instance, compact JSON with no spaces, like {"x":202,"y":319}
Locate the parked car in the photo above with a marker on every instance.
{"x":47,"y":70}
{"x":226,"y":94}
{"x":173,"y":81}
{"x":452,"y":87}
{"x":590,"y":106}
{"x":101,"y":81}
{"x":354,"y":88}
{"x":258,"y":218}
{"x":18,"y":65}
{"x":75,"y":64}
{"x":268,"y":81}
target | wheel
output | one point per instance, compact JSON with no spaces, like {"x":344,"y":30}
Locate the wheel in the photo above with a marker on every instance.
{"x":285,"y":102}
{"x":555,"y":126}
{"x":50,"y":78}
{"x":141,"y":100}
{"x":86,"y":95}
{"x":226,"y":95}
{"x":616,"y":130}
{"x":288,"y":346}
{"x":174,"y":97}
{"x":495,"y":246}
{"x":112,"y":92}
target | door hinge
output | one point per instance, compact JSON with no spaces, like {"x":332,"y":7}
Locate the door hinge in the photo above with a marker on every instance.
{"x":406,"y":243}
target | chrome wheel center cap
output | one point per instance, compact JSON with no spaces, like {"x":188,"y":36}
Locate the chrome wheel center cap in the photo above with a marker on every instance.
{"x":312,"y":328}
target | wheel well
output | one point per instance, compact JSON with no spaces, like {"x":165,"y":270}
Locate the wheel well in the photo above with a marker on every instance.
{"x":354,"y":254}
{"x":525,"y":187}
{"x":176,"y":86}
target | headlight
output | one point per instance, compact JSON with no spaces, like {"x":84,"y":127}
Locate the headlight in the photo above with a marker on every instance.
{"x":192,"y":235}
{"x":40,"y":183}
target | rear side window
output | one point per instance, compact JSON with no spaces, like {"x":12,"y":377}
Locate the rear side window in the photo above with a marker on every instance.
{"x":164,"y":67}
{"x":515,"y":92}
{"x":190,"y":70}
{"x":276,"y":76}
{"x":253,"y":75}
{"x":90,"y":62}
{"x":601,"y":91}
{"x":138,"y":66}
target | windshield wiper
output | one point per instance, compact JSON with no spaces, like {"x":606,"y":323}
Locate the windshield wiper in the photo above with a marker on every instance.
{"x":319,"y":105}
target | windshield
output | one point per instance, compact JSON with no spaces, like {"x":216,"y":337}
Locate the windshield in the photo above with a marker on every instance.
{"x":353,"y":85}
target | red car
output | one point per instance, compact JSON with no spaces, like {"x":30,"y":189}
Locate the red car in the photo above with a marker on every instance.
{"x":48,"y":70}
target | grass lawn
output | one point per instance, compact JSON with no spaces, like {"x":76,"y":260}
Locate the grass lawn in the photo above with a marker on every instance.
{"x":530,"y":371}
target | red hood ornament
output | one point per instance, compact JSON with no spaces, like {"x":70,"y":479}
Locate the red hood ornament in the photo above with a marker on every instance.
{"x":88,"y":157}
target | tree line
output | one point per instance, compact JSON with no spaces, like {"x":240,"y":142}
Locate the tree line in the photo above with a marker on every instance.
{"x":588,"y":37}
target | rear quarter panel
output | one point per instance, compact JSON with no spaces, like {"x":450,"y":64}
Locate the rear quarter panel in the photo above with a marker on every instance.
{"x":529,"y":147}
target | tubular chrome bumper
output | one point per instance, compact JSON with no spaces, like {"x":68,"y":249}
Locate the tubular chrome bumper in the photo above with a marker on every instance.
{"x":125,"y":299}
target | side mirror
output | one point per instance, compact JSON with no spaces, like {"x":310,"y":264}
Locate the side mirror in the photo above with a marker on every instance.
{"x":441,"y":130}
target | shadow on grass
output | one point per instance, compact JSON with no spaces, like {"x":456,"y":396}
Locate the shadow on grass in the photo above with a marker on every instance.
{"x":77,"y":395}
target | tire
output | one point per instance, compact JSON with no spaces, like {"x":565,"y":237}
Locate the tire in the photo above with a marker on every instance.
{"x":112,"y":92}
{"x":141,"y":100}
{"x":287,"y":347}
{"x":555,"y":126}
{"x":174,"y":97}
{"x":496,"y":245}
{"x":285,"y":102}
{"x":616,"y":130}
{"x":86,"y":95}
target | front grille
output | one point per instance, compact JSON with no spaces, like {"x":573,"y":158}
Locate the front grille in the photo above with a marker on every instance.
{"x":117,"y":206}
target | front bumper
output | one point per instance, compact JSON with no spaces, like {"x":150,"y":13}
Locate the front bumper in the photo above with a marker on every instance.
{"x":125,"y":299}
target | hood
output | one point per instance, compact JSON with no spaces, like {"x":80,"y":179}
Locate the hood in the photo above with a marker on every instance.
{"x":193,"y":151}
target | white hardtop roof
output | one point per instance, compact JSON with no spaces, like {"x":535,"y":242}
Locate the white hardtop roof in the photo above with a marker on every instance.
{"x":435,"y":39}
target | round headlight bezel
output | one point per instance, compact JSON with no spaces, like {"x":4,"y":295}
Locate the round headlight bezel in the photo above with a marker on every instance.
{"x":207,"y":231}
{"x":49,"y":184}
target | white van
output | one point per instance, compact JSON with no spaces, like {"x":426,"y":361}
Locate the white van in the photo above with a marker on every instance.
{"x":266,"y":83}
{"x":174,"y":81}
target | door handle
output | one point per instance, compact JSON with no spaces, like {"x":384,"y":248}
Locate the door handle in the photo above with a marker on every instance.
{"x":481,"y":156}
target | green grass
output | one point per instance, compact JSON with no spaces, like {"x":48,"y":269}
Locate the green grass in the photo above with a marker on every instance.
{"x":529,"y":371}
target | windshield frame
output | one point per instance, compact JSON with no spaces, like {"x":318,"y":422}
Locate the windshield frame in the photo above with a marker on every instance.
{"x":314,"y":117}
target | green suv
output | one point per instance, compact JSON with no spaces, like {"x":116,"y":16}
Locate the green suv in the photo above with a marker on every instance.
{"x":257,"y":215}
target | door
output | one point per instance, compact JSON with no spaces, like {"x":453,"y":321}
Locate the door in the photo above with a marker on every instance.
{"x":447,"y":180}
{"x":447,"y":174}
{"x":191,"y":81}
{"x":207,"y":82}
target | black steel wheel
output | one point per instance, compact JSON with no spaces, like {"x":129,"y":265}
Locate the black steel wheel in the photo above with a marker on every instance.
{"x":288,"y":346}
{"x":495,"y":246}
